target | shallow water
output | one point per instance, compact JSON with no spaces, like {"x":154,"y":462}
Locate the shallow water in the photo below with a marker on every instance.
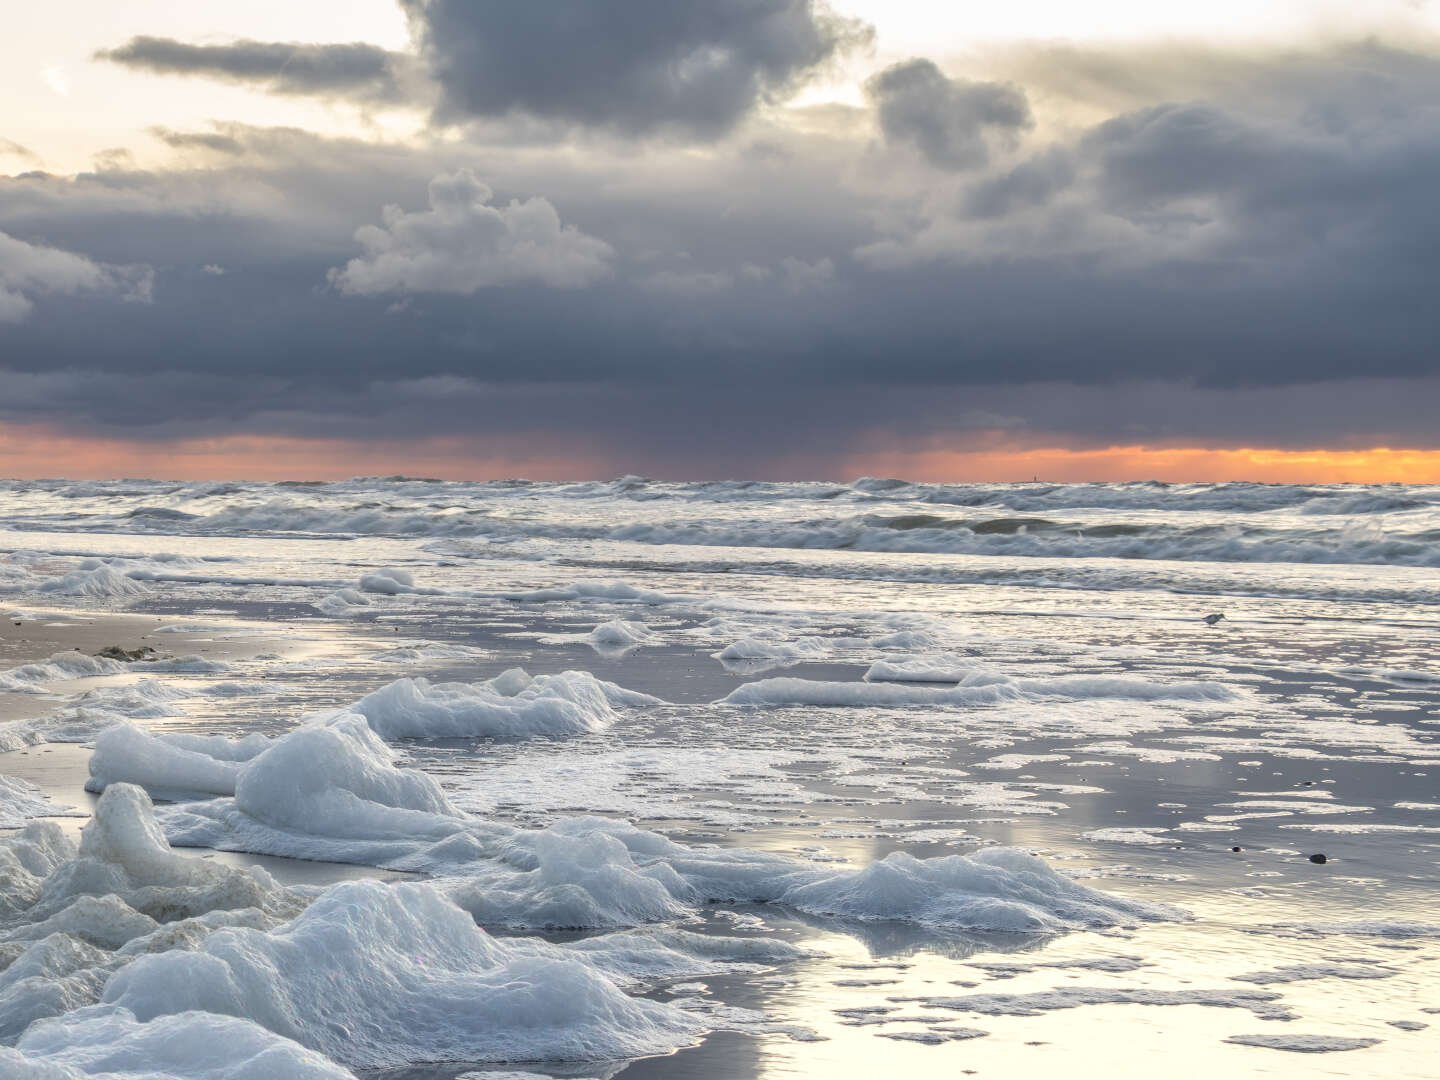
{"x":1320,"y":736}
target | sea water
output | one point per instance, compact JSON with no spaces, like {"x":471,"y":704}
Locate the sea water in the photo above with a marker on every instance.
{"x":733,"y":779}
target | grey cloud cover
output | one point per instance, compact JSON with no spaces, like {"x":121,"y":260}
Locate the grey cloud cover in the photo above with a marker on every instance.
{"x":950,"y":121}
{"x":695,"y":67}
{"x":354,"y":70}
{"x":1263,"y":253}
{"x":638,"y":66}
{"x":28,"y":270}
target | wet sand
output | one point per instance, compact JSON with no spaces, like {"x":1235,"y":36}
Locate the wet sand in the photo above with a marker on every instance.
{"x":61,"y":769}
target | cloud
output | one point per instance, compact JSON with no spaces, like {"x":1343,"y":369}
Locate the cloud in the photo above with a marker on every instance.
{"x":11,"y":148}
{"x":797,"y":275}
{"x":951,"y":122}
{"x":688,"y":283}
{"x":214,"y":141}
{"x":462,"y":245}
{"x":357,"y":70}
{"x":30,"y":270}
{"x":1250,"y":255}
{"x":692,"y":67}
{"x":697,"y":66}
{"x":1033,"y":182}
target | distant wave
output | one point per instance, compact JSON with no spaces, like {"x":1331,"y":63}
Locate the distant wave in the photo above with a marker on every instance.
{"x":1234,"y":523}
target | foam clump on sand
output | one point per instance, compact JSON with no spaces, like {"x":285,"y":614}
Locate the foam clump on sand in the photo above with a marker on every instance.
{"x":123,"y":853}
{"x":170,"y":765}
{"x":70,"y":916}
{"x":342,"y":603}
{"x":120,"y":956}
{"x":388,"y":582}
{"x":21,"y":800}
{"x":93,"y":712}
{"x":380,"y":975}
{"x":997,"y":889}
{"x":95,"y":580}
{"x":620,"y":634}
{"x":334,"y":790}
{"x":934,"y":668}
{"x":753,"y":648}
{"x":186,"y":1046}
{"x":61,"y":667}
{"x":991,"y":688}
{"x":341,"y":773}
{"x":598,"y":590}
{"x":590,"y":871}
{"x":512,"y":704}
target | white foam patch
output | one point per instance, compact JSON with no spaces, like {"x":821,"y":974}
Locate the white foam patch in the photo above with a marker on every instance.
{"x":62,"y":667}
{"x":754,"y":648}
{"x":342,"y":604}
{"x":1262,"y":1003}
{"x":188,"y":1046}
{"x":69,"y":917}
{"x":93,"y":712}
{"x":1305,"y":1044}
{"x":388,"y":582}
{"x":430,"y":652}
{"x":21,"y":800}
{"x":170,"y":766}
{"x":621,"y":634}
{"x":1357,"y":829}
{"x":512,"y":704}
{"x":183,"y":665}
{"x":100,"y":582}
{"x":1144,"y":837}
{"x":333,"y":790}
{"x":380,"y":975}
{"x":615,"y":591}
{"x":1399,"y":675}
{"x":994,"y":689}
{"x":935,"y":668}
{"x":1319,"y":970}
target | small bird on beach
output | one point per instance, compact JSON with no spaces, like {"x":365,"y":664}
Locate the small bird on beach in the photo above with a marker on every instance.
{"x":1211,"y":620}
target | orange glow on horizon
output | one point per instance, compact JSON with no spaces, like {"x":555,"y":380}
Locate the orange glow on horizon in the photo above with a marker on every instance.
{"x":1377,"y":465}
{"x":29,"y":452}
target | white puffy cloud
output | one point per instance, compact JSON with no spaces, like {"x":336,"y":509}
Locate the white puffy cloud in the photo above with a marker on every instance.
{"x":462,"y":244}
{"x":30,"y":270}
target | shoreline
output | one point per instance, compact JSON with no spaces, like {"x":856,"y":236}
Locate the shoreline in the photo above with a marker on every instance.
{"x":60,"y":769}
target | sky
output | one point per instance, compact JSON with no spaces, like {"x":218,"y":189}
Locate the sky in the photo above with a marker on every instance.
{"x":699,"y":239}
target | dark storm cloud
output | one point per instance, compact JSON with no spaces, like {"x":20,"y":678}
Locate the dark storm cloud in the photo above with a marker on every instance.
{"x":1226,"y":271}
{"x":950,"y":121}
{"x":352,"y":70}
{"x":638,"y":66}
{"x":695,"y":67}
{"x":669,"y":431}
